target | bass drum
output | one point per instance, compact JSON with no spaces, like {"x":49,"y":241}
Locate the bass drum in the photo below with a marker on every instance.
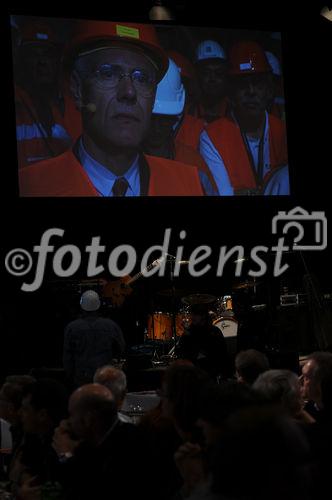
{"x":227,"y":326}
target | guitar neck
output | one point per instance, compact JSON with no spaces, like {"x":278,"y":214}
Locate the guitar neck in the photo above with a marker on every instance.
{"x":140,"y":274}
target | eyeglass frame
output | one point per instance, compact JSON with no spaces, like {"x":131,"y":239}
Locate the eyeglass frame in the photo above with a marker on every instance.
{"x":120,"y":76}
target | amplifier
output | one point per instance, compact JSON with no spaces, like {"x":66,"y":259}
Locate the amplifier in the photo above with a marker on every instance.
{"x":292,"y":299}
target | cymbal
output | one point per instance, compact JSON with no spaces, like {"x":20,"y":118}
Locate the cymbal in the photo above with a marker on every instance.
{"x":246,"y":284}
{"x":198,"y":298}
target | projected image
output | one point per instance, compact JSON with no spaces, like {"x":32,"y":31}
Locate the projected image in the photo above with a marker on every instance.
{"x":119,"y":109}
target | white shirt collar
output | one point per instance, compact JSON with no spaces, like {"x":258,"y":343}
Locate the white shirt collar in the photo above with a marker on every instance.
{"x":103,"y":179}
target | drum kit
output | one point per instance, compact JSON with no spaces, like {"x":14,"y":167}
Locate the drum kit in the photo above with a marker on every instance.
{"x":166,"y":326}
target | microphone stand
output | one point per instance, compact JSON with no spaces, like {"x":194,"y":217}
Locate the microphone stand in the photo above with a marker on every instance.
{"x":316,"y":307}
{"x":174,"y":338}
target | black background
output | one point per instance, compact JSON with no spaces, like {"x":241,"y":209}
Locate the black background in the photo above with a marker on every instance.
{"x":32,"y":323}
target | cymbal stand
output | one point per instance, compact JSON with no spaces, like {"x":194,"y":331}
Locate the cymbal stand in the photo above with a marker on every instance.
{"x":316,"y":307}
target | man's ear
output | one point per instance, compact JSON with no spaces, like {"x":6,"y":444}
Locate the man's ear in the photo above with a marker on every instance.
{"x":76,"y":88}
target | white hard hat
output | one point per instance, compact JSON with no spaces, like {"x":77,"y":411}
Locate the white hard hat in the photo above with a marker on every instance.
{"x":274,"y":63}
{"x":170,"y":95}
{"x":209,"y":49}
{"x":90,"y":301}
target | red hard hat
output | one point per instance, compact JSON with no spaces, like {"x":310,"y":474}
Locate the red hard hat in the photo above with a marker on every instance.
{"x":186,"y":67}
{"x":247,"y":57}
{"x":142,"y":36}
{"x":37,"y":32}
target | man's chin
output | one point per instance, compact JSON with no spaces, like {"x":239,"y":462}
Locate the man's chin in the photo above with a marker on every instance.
{"x":252,"y":112}
{"x":126,"y":142}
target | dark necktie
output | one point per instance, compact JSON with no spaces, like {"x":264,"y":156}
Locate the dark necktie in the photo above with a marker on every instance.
{"x":120,"y":186}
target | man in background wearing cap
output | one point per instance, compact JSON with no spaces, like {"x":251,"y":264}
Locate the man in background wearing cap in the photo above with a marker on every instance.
{"x":211,"y":102}
{"x":42,"y":111}
{"x":211,"y":67}
{"x":244,"y":149}
{"x":90,"y":342}
{"x":114,"y":70}
{"x":166,"y":118}
{"x":190,"y":127}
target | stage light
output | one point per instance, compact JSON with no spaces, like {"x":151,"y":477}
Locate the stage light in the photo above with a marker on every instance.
{"x":160,"y":13}
{"x":327,"y":13}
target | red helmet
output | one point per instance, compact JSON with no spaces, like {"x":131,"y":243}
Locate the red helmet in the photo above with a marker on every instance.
{"x":142,"y":36}
{"x":186,"y":67}
{"x":248,"y":57}
{"x":37,"y":32}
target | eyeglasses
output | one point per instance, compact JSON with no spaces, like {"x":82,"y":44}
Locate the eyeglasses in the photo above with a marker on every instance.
{"x":108,"y":76}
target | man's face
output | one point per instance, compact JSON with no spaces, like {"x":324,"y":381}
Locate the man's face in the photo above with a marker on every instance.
{"x":41,"y":62}
{"x":310,"y":388}
{"x":212,"y":77}
{"x":250,"y":94}
{"x":123,"y":102}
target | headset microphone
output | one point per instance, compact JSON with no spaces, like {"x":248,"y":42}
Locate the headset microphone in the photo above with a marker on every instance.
{"x":89,"y":107}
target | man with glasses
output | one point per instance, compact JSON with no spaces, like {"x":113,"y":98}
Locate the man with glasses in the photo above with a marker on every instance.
{"x":114,"y":69}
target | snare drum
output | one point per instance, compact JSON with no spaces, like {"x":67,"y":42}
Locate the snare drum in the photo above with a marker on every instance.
{"x":228,"y":326}
{"x":159,"y":326}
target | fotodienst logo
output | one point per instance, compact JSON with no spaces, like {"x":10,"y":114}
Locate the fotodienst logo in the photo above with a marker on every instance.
{"x":296,"y":230}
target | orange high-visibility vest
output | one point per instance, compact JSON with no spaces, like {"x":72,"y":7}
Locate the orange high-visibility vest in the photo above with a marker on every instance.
{"x":34,"y":143}
{"x":65,"y":176}
{"x":226,"y":136}
{"x":190,"y":131}
{"x":187,"y":154}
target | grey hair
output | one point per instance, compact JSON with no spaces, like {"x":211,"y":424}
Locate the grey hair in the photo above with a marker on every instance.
{"x":280,"y":386}
{"x":321,"y":359}
{"x":114,"y":379}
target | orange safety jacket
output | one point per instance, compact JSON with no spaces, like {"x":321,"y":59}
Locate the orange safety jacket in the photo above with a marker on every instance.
{"x":226,"y":136}
{"x":34,"y":143}
{"x":190,"y":131}
{"x":191,"y":156}
{"x":193,"y":123}
{"x":65,"y":176}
